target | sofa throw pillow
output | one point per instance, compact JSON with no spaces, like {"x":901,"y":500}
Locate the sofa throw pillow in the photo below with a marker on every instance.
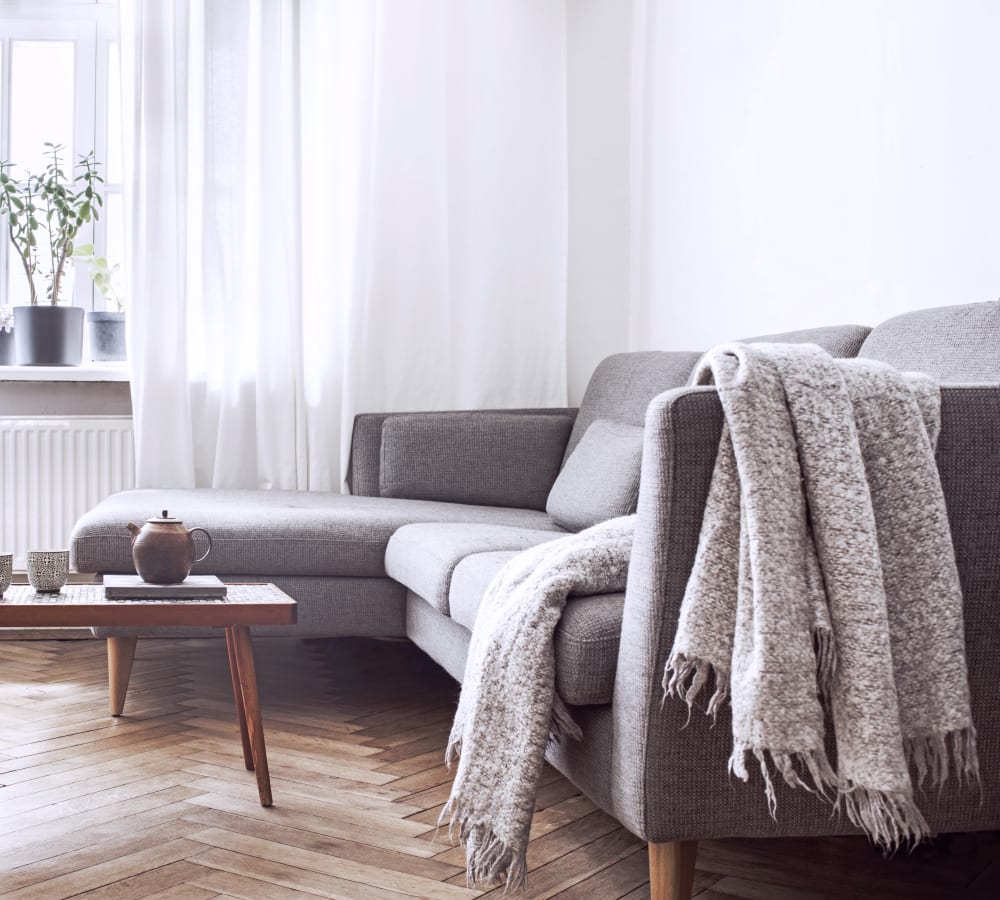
{"x":601,"y":477}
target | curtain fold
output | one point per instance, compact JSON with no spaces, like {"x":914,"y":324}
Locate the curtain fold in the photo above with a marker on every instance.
{"x":331,"y":208}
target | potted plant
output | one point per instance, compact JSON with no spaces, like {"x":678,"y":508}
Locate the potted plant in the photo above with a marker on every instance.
{"x":55,"y":208}
{"x":107,"y":328}
{"x":6,"y":336}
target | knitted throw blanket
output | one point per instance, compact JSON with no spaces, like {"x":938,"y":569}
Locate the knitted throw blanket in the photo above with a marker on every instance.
{"x":825,"y":577}
{"x":508,"y":708}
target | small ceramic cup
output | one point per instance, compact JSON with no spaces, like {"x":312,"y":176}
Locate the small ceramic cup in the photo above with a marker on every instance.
{"x":6,"y":568}
{"x":48,"y":569}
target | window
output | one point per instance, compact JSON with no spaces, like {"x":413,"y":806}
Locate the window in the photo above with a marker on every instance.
{"x":60,"y":82}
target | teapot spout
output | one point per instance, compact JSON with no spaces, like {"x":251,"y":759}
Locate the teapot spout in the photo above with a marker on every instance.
{"x":133,"y":530}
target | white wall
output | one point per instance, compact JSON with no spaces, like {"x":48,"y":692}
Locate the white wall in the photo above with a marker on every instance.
{"x":823,"y":163}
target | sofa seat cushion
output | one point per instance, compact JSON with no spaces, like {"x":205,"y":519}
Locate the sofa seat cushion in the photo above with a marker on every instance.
{"x":276,"y":532}
{"x":586,"y":640}
{"x":424,"y":556}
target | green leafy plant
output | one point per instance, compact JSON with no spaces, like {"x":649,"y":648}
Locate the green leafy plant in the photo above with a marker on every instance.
{"x":17,"y":205}
{"x":53,"y":203}
{"x":106,"y":276}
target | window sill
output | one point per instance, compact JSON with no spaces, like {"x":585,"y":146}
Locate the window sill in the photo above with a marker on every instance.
{"x":97,"y":372}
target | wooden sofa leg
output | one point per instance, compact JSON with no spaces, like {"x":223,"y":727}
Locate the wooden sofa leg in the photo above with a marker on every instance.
{"x":121,"y":652}
{"x":671,"y":870}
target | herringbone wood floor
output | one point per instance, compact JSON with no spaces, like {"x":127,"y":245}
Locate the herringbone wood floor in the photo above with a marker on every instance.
{"x":158,"y":804}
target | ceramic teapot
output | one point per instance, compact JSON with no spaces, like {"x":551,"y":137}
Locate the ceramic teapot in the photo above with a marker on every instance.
{"x":163,"y":549}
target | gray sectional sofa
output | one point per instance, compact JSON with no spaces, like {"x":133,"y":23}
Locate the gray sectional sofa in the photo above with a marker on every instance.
{"x":442,"y":500}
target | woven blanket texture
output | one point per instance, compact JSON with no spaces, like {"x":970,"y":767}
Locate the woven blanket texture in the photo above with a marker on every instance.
{"x":508,"y":709}
{"x":825,"y":588}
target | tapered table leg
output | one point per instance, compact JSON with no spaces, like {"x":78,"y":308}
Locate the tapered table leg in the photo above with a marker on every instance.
{"x":251,"y":706}
{"x":121,"y":652}
{"x":241,"y":714}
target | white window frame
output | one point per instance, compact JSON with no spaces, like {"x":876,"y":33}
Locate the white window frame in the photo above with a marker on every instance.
{"x":92,"y":25}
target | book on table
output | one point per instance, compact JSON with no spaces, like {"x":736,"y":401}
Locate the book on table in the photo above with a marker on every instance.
{"x":194,"y":587}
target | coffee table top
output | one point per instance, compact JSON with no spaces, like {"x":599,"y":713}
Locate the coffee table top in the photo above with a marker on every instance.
{"x":84,"y":605}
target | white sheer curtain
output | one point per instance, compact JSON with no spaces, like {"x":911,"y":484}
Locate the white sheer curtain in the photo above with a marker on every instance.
{"x":336,"y":207}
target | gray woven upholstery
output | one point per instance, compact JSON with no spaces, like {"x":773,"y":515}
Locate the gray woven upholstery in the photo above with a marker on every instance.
{"x":366,"y":442}
{"x":270,"y":533}
{"x":622,"y":386}
{"x":423,"y":557}
{"x":954,"y":344}
{"x":600,"y":480}
{"x":366,"y":448}
{"x":469,"y":581}
{"x":441,"y":638}
{"x":487,"y":459}
{"x":842,"y":341}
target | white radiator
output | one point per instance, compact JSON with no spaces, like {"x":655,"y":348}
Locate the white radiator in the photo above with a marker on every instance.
{"x":52,"y":470}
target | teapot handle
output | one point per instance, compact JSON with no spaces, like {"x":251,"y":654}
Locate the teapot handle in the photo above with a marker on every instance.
{"x":208,"y":538}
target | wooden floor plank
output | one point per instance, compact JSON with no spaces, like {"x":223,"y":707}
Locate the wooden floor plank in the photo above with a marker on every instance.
{"x":108,"y":872}
{"x":310,"y":840}
{"x":305,"y":880}
{"x":175,"y":876}
{"x":346,"y":869}
{"x":231,"y":884}
{"x":158,"y":803}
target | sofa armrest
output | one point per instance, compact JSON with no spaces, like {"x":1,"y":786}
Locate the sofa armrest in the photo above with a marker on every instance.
{"x":366,"y":446}
{"x":365,"y":470}
{"x":670,"y":775}
{"x":659,"y":766}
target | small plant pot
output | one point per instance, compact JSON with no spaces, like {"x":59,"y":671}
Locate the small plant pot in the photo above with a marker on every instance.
{"x":7,"y":356}
{"x":107,"y":336}
{"x":48,"y":335}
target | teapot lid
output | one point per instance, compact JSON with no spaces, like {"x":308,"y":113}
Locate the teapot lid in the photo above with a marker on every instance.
{"x":164,"y":519}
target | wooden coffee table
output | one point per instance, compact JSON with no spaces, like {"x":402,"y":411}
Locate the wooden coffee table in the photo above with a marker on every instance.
{"x":246,"y":604}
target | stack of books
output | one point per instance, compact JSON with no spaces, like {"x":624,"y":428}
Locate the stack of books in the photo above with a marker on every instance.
{"x":194,"y":587}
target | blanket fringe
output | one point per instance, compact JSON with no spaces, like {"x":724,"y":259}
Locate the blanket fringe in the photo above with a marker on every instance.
{"x":685,"y":676}
{"x":890,"y":819}
{"x":563,"y":725}
{"x":824,"y":779}
{"x":931,"y":756}
{"x":489,"y":859}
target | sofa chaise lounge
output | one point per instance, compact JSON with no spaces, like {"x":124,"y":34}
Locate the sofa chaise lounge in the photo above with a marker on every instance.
{"x":442,"y":500}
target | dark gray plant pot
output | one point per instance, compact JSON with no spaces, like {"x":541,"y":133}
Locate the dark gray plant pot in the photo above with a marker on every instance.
{"x":47,"y":335}
{"x":107,"y":336}
{"x":6,"y":348}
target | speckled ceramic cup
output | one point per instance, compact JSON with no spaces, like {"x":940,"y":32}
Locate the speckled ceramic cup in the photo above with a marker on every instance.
{"x":48,"y":570}
{"x":6,"y":568}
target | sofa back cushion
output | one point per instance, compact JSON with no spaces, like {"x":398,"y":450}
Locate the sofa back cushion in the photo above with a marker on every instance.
{"x":483,"y":459}
{"x":841,"y":341}
{"x":600,"y":480}
{"x":623,"y":385}
{"x":957,"y":344}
